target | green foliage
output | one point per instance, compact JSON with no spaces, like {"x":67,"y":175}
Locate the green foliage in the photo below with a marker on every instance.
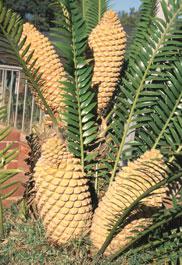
{"x":167,"y":247}
{"x":142,"y":91}
{"x":148,"y":11}
{"x":164,"y":248}
{"x":164,"y":242}
{"x":93,"y":12}
{"x":165,"y":117}
{"x":79,"y":98}
{"x":129,"y":19}
{"x":61,"y":32}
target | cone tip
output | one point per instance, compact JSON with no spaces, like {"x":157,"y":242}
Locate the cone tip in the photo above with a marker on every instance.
{"x":110,"y":14}
{"x":27,"y":26}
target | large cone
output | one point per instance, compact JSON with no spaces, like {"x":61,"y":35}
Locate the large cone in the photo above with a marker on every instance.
{"x":129,"y":184}
{"x":49,"y":64}
{"x":107,"y":42}
{"x":63,"y":198}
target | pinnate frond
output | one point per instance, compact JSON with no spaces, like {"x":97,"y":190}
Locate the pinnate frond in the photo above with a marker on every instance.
{"x":148,"y":10}
{"x":79,"y":97}
{"x":94,"y":12}
{"x":143,"y":81}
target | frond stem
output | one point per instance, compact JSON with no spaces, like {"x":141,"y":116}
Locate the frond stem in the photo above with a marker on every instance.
{"x":84,"y":9}
{"x":79,"y":107}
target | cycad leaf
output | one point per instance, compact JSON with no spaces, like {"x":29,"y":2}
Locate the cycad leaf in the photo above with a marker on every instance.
{"x":140,"y":81}
{"x":79,"y":97}
{"x":94,"y":11}
{"x":61,"y":33}
{"x":165,"y":123}
{"x":147,"y":12}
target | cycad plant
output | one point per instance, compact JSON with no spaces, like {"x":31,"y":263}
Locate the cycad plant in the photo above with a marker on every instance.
{"x":97,"y":98}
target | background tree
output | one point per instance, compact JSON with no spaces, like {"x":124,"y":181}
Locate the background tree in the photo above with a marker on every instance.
{"x":40,"y":13}
{"x":129,"y":21}
{"x":129,"y":18}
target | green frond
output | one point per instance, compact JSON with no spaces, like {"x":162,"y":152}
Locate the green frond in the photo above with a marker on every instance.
{"x":94,"y":12}
{"x":148,"y":11}
{"x":166,"y":248}
{"x":11,"y":27}
{"x":61,"y":33}
{"x":166,"y":114}
{"x":79,"y":98}
{"x":144,"y":81}
{"x":84,"y":6}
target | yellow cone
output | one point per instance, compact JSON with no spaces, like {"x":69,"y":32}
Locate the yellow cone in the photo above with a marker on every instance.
{"x":50,"y":66}
{"x":129,"y":183}
{"x":63,"y":198}
{"x":107,"y":42}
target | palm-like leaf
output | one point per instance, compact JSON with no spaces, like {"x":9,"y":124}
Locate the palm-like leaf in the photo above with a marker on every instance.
{"x":147,"y":13}
{"x":11,"y":27}
{"x":94,"y":11}
{"x":144,"y":80}
{"x":62,"y":35}
{"x":79,"y":98}
{"x":167,"y":247}
{"x":166,"y":114}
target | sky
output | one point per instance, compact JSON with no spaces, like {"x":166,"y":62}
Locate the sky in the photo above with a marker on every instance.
{"x":120,"y":5}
